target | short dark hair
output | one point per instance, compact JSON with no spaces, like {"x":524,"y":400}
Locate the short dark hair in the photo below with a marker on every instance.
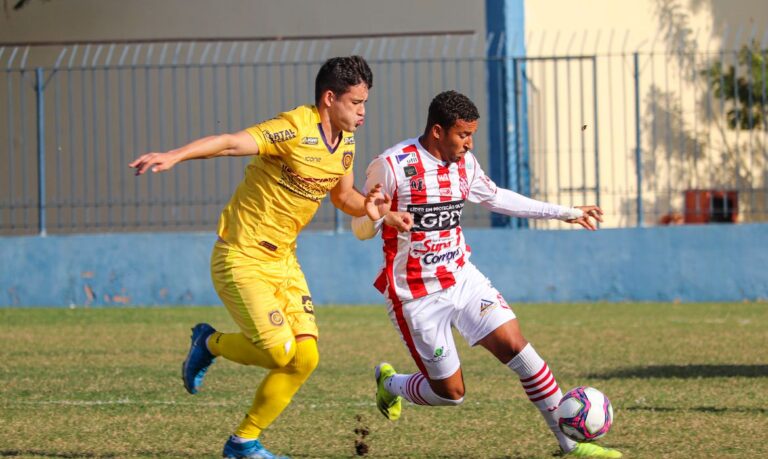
{"x":339,"y":73}
{"x":448,"y":107}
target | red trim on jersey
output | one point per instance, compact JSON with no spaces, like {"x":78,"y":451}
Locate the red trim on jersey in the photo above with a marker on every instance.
{"x":463,"y":178}
{"x":413,"y":265}
{"x":389,"y":235}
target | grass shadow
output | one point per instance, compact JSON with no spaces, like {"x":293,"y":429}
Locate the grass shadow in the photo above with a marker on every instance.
{"x":698,"y":409}
{"x":685,"y":372}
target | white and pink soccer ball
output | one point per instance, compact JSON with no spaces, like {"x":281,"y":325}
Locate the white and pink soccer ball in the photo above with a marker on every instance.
{"x":584,"y":414}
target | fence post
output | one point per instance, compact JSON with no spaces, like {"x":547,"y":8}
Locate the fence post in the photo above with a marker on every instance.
{"x":638,"y":151}
{"x":40,"y":115}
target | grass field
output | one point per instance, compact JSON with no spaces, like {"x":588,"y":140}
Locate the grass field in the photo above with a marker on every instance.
{"x":686,"y":381}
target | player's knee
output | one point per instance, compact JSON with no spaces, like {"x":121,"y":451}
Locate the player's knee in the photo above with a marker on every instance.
{"x":282,"y":355}
{"x":452,"y":393}
{"x":307,"y":357}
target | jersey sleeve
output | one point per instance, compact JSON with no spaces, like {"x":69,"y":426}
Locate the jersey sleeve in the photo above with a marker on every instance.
{"x":500,"y":200}
{"x":481,"y":187}
{"x":380,"y":171}
{"x":277,"y":136}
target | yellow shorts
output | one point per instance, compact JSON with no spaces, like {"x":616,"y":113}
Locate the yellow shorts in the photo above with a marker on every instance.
{"x":269,"y":300}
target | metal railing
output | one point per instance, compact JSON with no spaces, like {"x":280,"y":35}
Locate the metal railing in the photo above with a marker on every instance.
{"x":653,"y":137}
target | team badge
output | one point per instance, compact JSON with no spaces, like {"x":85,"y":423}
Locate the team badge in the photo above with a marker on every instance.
{"x":346,"y":159}
{"x":410,"y":171}
{"x":276,"y":318}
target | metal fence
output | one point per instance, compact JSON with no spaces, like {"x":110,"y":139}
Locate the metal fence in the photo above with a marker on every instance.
{"x":653,"y":137}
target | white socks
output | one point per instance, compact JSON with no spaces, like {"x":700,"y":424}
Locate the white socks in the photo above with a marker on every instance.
{"x":541,"y":388}
{"x":416,"y":389}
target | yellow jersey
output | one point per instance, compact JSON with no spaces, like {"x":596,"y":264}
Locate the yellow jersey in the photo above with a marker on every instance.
{"x":284,"y":184}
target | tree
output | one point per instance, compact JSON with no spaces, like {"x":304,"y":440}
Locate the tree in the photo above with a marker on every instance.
{"x":746,"y":94}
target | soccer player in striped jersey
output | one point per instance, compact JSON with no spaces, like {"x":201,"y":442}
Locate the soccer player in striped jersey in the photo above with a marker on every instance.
{"x":299,"y":157}
{"x":428,"y":281}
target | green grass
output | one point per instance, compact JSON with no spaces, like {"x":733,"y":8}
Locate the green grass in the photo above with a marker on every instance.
{"x":686,"y":380}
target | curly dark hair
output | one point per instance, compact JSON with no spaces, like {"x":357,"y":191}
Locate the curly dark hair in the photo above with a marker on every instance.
{"x":448,"y":107}
{"x":339,"y":73}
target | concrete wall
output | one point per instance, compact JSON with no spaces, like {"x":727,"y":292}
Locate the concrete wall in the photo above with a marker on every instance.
{"x":686,"y":263}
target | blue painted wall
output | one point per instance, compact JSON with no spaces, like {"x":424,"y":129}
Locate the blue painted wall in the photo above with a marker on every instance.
{"x":687,"y":263}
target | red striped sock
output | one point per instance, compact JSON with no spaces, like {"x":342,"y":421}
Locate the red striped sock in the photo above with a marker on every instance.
{"x":541,"y":388}
{"x":416,"y":389}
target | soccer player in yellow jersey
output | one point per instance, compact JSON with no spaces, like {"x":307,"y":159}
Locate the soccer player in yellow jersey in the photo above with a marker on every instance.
{"x":299,"y":157}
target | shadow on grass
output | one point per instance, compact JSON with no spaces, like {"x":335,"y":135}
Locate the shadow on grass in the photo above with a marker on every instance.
{"x":699,"y":409}
{"x":686,"y":371}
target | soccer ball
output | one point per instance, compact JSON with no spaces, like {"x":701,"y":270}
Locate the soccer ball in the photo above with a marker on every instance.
{"x":584,"y":414}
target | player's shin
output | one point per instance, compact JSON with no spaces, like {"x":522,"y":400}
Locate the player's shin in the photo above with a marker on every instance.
{"x":541,"y":388}
{"x":277,"y":389}
{"x":416,"y":389}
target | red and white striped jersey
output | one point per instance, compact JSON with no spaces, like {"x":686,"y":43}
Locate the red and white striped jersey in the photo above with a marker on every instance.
{"x":426,"y":259}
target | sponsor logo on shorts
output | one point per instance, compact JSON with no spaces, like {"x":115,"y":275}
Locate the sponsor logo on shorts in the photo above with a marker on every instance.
{"x":276,"y":318}
{"x":487,"y":306}
{"x":268,"y":245}
{"x":502,"y":301}
{"x":346,"y":159}
{"x":309,"y":140}
{"x":441,"y":353}
{"x":309,"y":308}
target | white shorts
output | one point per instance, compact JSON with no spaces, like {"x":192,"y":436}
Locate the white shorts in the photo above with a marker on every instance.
{"x":472,"y":305}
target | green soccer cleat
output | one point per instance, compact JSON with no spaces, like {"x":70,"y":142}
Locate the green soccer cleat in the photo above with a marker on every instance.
{"x":389,"y":405}
{"x":592,"y":450}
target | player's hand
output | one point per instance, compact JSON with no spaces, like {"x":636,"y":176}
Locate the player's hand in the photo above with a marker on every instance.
{"x":590,"y":212}
{"x":401,"y":221}
{"x":158,"y":162}
{"x":377,"y":203}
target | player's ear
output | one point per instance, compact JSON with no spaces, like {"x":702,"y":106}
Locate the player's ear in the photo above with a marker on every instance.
{"x":327,"y":98}
{"x":437,"y":131}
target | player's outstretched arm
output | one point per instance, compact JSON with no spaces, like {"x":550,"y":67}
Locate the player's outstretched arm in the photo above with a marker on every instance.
{"x":237,"y":144}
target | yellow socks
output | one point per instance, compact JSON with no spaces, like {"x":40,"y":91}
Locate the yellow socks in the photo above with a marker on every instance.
{"x":237,"y":348}
{"x":278,"y":387}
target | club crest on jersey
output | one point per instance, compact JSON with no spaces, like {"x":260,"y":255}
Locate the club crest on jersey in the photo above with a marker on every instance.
{"x":417,"y":184}
{"x":410,"y":171}
{"x":346,"y":159}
